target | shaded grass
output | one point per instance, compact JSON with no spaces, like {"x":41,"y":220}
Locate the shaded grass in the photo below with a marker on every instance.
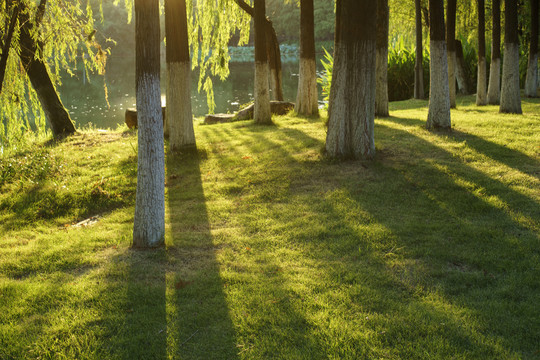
{"x":273,"y":251}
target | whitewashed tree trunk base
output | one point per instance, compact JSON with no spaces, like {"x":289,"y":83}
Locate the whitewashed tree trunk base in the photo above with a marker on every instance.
{"x":494,"y":88}
{"x":307,"y":97}
{"x":381,"y":87}
{"x":439,"y":93}
{"x":532,"y":77}
{"x":452,"y":78}
{"x":261,"y":112}
{"x":510,"y":92}
{"x":481,"y":95}
{"x":179,"y":116}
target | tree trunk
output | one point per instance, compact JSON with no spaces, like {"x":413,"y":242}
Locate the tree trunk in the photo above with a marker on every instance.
{"x":439,"y":94}
{"x":481,"y":95}
{"x":418,"y":69}
{"x":381,"y":97}
{"x":307,"y":97}
{"x":55,"y":112}
{"x":451,"y":44}
{"x":532,"y":69}
{"x":179,"y":117}
{"x":494,"y":88}
{"x":352,"y":94}
{"x":262,"y":114}
{"x":149,"y":221}
{"x":510,"y":92}
{"x":461,"y":76}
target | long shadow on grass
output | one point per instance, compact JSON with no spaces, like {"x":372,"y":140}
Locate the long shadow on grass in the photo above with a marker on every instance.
{"x":199,"y":324}
{"x":511,"y":158}
{"x":440,"y":270}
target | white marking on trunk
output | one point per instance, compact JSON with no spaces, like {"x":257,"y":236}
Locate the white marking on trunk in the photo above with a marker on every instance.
{"x":481,"y":95}
{"x":531,"y":82}
{"x":179,"y":115}
{"x":439,"y":93}
{"x":494,"y":88}
{"x":262,"y":113}
{"x":510,"y":92}
{"x":307,"y":97}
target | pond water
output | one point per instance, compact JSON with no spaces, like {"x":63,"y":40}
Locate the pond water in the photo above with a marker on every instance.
{"x":86,"y":100}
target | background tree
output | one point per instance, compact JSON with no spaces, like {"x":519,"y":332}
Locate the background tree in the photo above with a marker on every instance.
{"x":261,"y":112}
{"x":418,"y":70}
{"x":531,"y":82}
{"x":451,"y":46}
{"x":307,"y":96}
{"x":149,"y":221}
{"x":381,"y":97}
{"x":179,"y":117}
{"x":481,"y":79}
{"x":510,"y":92}
{"x":439,"y":97}
{"x":494,"y":87}
{"x":352,"y":95}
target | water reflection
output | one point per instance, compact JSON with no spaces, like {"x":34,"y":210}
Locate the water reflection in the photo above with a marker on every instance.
{"x":86,"y":100}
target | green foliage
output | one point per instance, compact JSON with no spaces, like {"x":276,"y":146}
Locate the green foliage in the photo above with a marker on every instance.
{"x":325,"y":78}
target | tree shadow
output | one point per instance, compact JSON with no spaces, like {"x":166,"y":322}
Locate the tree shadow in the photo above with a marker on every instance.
{"x":199,"y":323}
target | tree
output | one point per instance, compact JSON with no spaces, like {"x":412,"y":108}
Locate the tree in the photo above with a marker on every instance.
{"x":481,"y":79}
{"x":178,"y":113}
{"x":494,"y":87}
{"x":36,"y":69}
{"x":149,"y":221}
{"x":439,"y":97}
{"x":307,"y":97}
{"x":510,"y":92}
{"x":451,"y":45}
{"x":418,"y":70}
{"x":352,"y":95}
{"x":381,"y":97}
{"x":261,"y":112}
{"x":531,"y":82}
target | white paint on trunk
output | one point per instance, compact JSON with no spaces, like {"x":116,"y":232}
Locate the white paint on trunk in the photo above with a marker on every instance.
{"x":510,"y":92}
{"x":494,"y":88}
{"x":481,"y":95}
{"x":461,"y":79}
{"x":532,"y":76}
{"x":351,"y":120}
{"x":452,"y":78}
{"x":149,"y":221}
{"x":307,"y":97}
{"x":261,"y":112}
{"x":439,"y":93}
{"x":179,"y":116}
{"x":381,"y":87}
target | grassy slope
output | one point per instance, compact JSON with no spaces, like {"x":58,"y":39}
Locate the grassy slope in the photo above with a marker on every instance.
{"x":430,"y":251}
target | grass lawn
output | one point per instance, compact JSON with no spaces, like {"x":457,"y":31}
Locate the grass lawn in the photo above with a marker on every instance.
{"x":431,"y":251}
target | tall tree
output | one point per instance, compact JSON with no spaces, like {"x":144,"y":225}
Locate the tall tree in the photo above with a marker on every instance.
{"x":307,"y":97}
{"x":149,"y":221}
{"x":510,"y":92}
{"x":418,"y":70}
{"x":494,"y":87}
{"x":178,"y":114}
{"x":439,"y":96}
{"x":531,"y":83}
{"x":36,"y":69}
{"x":451,"y":45}
{"x":481,"y":79}
{"x":352,"y":95}
{"x":461,"y":77}
{"x":381,"y":97}
{"x":261,"y":112}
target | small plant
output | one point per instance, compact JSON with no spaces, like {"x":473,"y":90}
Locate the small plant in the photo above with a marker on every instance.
{"x":325,"y":77}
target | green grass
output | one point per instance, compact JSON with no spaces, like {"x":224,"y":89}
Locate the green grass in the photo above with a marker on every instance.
{"x":431,"y":251}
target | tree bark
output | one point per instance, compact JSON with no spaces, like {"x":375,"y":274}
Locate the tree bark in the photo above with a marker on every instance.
{"x":352,"y":94}
{"x":494,"y":87}
{"x":481,"y":83}
{"x":381,"y":87}
{"x":451,"y":45}
{"x":179,"y":116}
{"x":461,"y":76}
{"x":439,"y":93}
{"x":418,"y":69}
{"x":307,"y":97}
{"x":55,"y":112}
{"x":510,"y":92}
{"x":531,"y":81}
{"x":262,"y":114}
{"x":149,"y":221}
